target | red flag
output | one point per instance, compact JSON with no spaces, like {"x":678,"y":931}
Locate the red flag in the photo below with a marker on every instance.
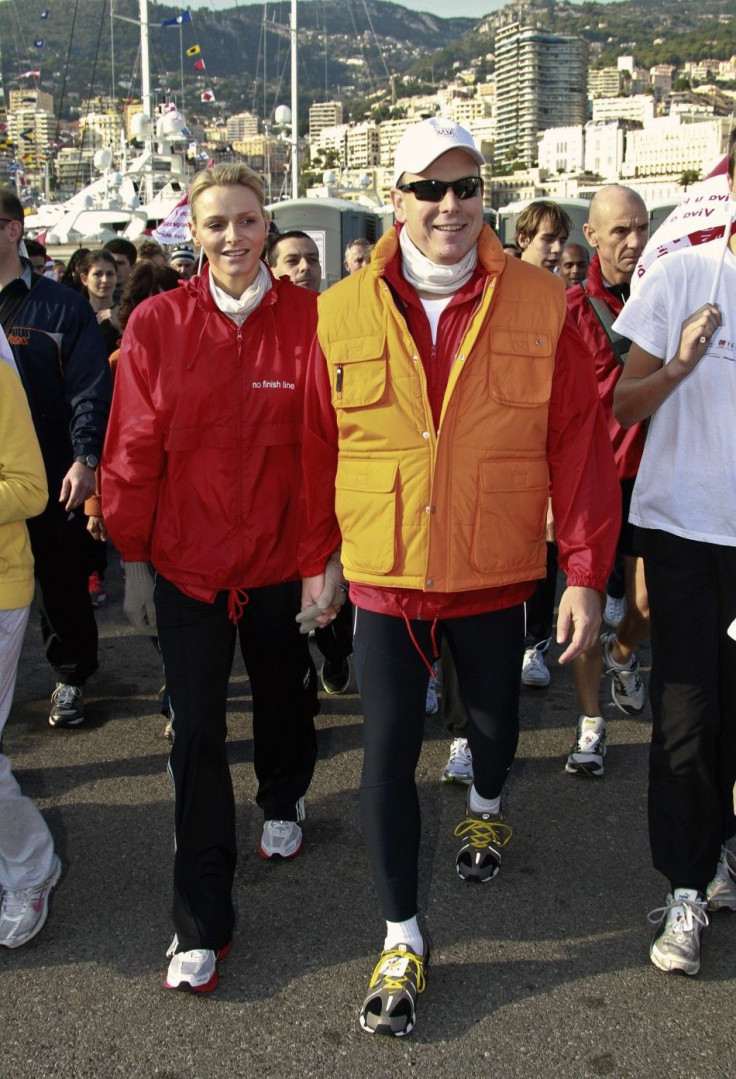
{"x":207,"y":95}
{"x":199,"y":65}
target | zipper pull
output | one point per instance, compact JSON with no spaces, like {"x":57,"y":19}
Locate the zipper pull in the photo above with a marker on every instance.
{"x":338,"y":380}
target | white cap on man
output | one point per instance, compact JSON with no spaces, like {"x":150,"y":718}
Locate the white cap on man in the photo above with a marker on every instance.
{"x":423,"y":143}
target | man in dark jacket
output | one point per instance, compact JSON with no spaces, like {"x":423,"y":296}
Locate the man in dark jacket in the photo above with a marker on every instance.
{"x":60,"y":356}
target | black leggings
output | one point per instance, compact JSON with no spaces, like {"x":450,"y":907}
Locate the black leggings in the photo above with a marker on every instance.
{"x":392,"y":681}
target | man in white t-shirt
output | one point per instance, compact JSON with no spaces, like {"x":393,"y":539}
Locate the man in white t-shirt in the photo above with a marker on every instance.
{"x":681,"y":372}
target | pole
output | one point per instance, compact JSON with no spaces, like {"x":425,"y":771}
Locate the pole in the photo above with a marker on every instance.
{"x":294,"y":107}
{"x":146,"y":90}
{"x":181,"y":67}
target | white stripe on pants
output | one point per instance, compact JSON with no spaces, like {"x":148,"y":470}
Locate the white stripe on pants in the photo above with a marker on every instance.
{"x":26,"y":846}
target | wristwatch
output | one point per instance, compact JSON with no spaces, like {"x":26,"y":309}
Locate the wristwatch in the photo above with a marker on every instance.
{"x":88,"y":459}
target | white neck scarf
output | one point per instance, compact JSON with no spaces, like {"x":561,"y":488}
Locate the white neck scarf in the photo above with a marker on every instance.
{"x":427,"y":276}
{"x":238,"y":310}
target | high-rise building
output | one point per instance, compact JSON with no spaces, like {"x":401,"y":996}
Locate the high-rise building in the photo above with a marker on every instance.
{"x":244,"y":125}
{"x":541,"y":82}
{"x":324,"y":114}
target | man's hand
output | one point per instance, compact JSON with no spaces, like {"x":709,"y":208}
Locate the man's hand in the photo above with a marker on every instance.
{"x":96,"y":528}
{"x":77,"y":486}
{"x":322,"y":596}
{"x":579,"y":613}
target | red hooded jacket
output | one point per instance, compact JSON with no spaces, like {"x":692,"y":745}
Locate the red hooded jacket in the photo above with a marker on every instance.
{"x":201,"y":470}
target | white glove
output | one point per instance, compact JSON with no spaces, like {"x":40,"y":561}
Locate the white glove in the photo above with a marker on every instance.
{"x":138,"y":602}
{"x":334,"y":594}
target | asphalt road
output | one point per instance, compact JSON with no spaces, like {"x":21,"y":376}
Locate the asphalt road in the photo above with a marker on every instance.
{"x":542,"y":973}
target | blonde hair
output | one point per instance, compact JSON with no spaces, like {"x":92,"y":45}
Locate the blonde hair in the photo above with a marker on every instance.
{"x":228,"y":175}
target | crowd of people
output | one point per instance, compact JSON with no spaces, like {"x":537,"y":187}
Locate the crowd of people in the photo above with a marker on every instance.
{"x":401,"y":466}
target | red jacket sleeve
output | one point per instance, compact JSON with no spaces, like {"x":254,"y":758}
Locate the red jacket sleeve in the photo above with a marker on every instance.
{"x":586,"y":495}
{"x":319,"y":463}
{"x":133,"y":456}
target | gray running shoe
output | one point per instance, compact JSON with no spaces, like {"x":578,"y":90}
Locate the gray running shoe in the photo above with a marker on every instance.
{"x":67,"y":706}
{"x":398,"y":979}
{"x":459,"y":767}
{"x":627,"y":688}
{"x":676,"y":947}
{"x":534,"y":670}
{"x":589,"y":749}
{"x":24,"y":913}
{"x":721,"y":892}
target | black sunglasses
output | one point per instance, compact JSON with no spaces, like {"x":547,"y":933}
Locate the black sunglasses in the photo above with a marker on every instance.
{"x":434,"y":190}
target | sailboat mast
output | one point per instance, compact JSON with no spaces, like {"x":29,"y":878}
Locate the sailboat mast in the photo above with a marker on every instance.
{"x":146,"y":91}
{"x":294,"y":107}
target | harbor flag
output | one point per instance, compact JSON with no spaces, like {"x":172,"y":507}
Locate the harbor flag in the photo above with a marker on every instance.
{"x":45,"y":14}
{"x":193,"y":50}
{"x":701,"y":217}
{"x":178,"y":20}
{"x":207,"y":95}
{"x":199,"y":65}
{"x":38,"y":43}
{"x":34,"y":73}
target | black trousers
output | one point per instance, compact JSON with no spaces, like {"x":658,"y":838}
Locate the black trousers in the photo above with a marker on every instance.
{"x":692,"y":762}
{"x":60,"y":545}
{"x":392,"y":681}
{"x":540,"y":607}
{"x":197,"y":643}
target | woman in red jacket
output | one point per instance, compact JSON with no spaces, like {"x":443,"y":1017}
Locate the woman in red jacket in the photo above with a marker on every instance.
{"x":201,"y":482}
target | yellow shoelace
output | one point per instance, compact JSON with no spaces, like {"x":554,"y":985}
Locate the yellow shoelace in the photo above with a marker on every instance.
{"x":395,"y":984}
{"x":484,"y":833}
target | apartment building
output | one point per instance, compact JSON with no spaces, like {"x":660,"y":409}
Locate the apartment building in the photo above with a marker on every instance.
{"x":541,"y":82}
{"x":323,"y":114}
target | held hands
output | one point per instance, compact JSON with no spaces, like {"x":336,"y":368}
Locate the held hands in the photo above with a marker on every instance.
{"x":695,"y":336}
{"x":580,"y":612}
{"x":138,"y":602}
{"x":322,"y":596}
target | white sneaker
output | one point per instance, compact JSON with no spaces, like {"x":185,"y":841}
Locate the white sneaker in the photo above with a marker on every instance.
{"x":23,"y":913}
{"x":614,"y":611}
{"x":586,"y":756}
{"x":194,"y":971}
{"x":534,"y":671}
{"x":676,"y":946}
{"x":721,"y":892}
{"x":283,"y":838}
{"x":459,"y":767}
{"x":627,"y":688}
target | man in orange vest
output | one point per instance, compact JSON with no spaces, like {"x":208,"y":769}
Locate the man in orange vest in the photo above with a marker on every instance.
{"x":448,"y":397}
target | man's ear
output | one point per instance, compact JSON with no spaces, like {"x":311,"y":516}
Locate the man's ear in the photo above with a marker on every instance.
{"x":398,"y":198}
{"x":589,"y":234}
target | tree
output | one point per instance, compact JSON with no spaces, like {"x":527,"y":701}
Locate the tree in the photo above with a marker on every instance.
{"x":688,"y":177}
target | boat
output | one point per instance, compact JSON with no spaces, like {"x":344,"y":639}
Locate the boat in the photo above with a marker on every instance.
{"x":133,"y":194}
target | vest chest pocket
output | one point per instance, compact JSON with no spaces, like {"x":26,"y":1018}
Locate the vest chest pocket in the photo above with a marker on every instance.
{"x":522,"y":363}
{"x":365,"y":503}
{"x":358,"y":371}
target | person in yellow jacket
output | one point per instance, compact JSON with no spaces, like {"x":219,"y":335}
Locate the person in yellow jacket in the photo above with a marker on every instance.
{"x":448,"y":397}
{"x":29,"y":868}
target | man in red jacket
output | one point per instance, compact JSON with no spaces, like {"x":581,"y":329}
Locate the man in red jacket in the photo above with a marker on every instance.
{"x":448,"y":391}
{"x":617,"y":227}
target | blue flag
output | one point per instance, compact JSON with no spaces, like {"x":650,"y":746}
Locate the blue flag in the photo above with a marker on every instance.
{"x":45,"y":14}
{"x":38,"y":43}
{"x":184,"y":17}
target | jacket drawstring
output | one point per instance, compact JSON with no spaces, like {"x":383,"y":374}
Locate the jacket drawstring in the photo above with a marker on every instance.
{"x":435,"y":649}
{"x":237,"y":601}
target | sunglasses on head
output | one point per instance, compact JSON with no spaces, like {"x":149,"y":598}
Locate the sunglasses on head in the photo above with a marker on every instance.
{"x":434,"y":190}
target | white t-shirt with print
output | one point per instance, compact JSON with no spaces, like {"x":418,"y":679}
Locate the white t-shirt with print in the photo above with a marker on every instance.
{"x":686,"y":483}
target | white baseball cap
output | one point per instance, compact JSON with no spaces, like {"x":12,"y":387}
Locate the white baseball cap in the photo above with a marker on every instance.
{"x":428,"y":140}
